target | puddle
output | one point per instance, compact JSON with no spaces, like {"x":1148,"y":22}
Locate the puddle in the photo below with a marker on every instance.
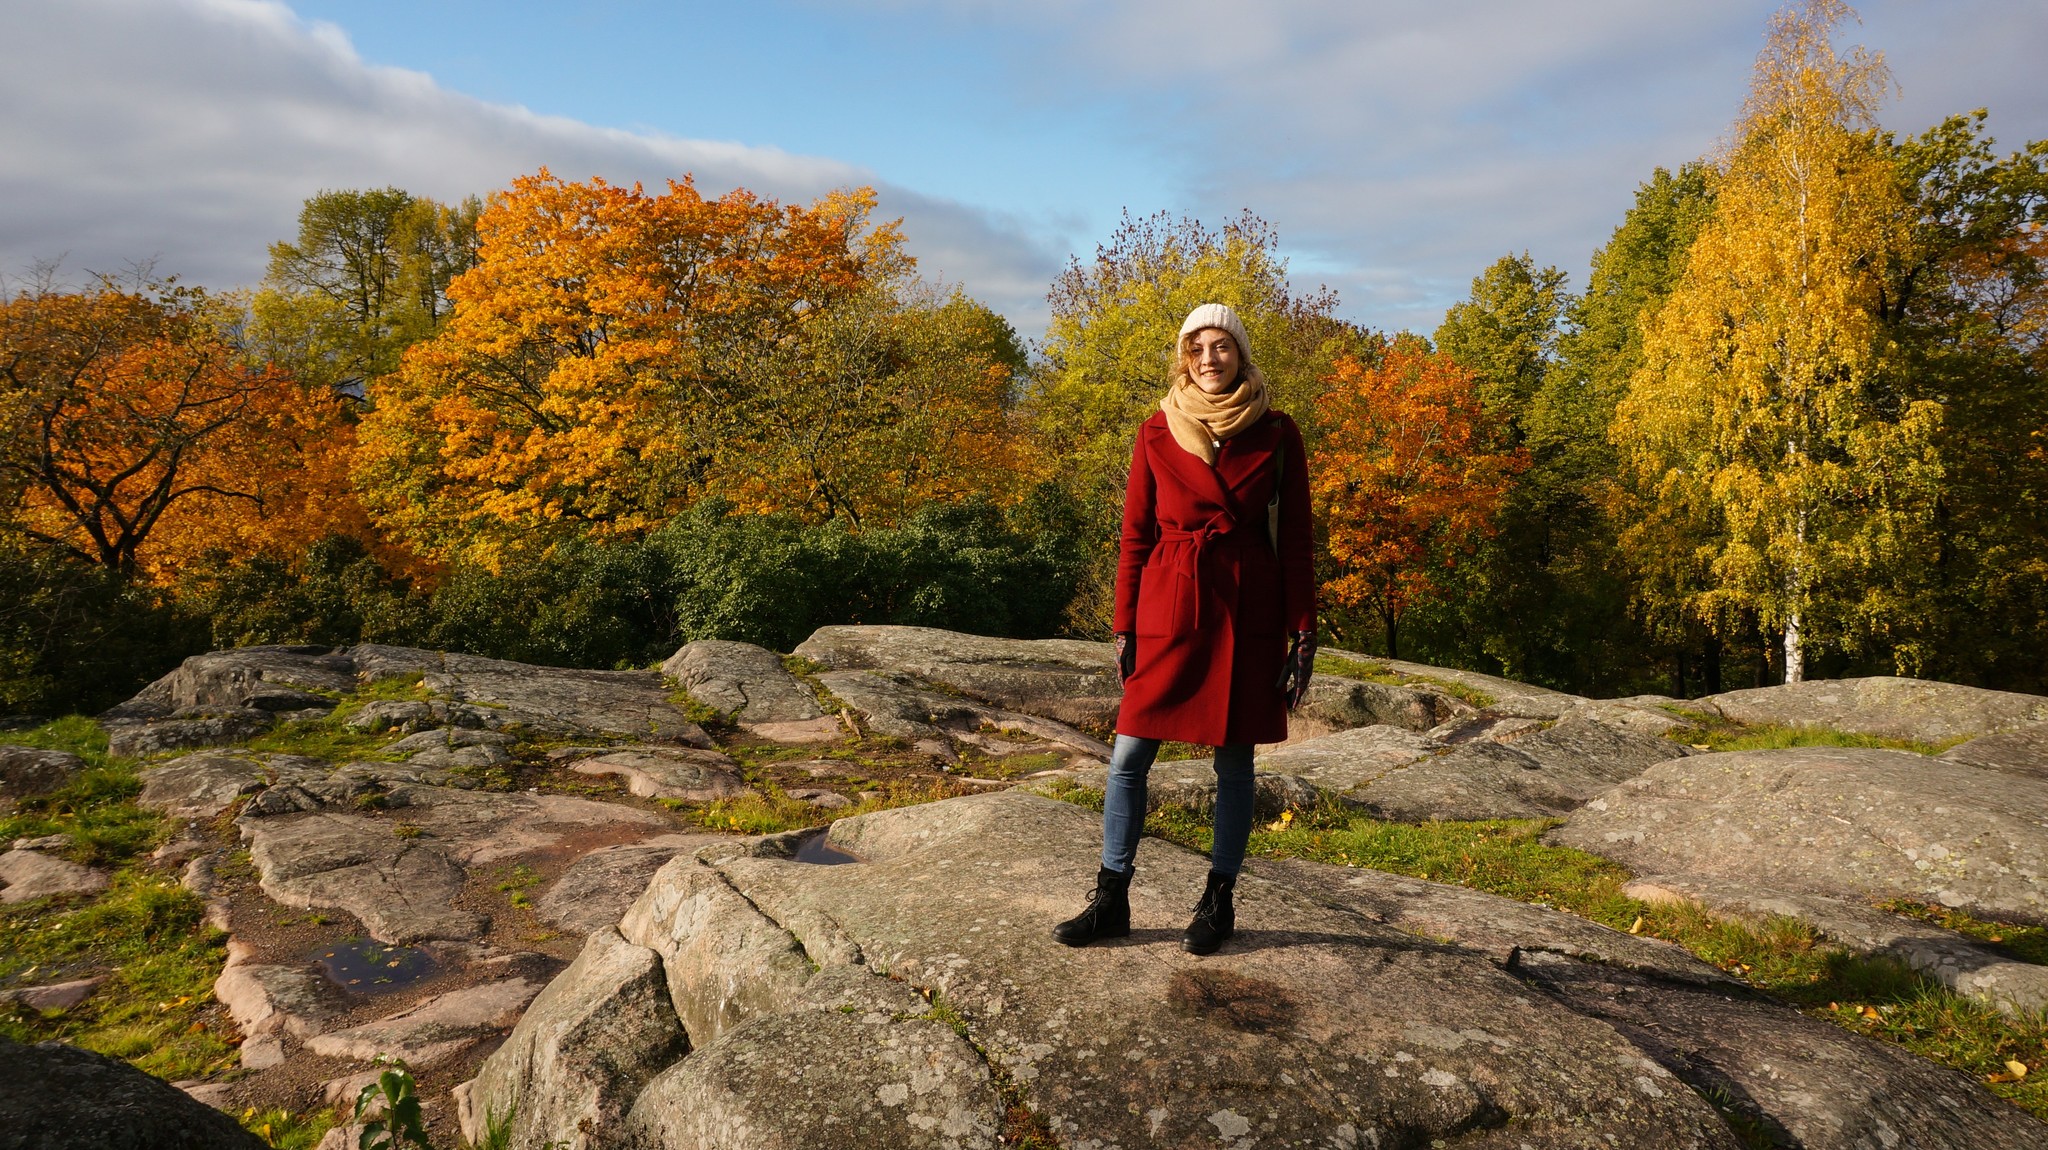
{"x":370,"y":967}
{"x":817,"y":849}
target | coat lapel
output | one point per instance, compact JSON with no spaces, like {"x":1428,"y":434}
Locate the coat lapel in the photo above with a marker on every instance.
{"x":1248,"y":457}
{"x":1189,"y":470}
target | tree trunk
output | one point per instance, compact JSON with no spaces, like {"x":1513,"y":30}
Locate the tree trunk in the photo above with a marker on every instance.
{"x":1710,"y":669}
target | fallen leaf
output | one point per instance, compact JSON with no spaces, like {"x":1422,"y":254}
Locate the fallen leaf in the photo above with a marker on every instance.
{"x":1870,"y":1012}
{"x":1636,"y":927}
{"x":2018,"y":1068}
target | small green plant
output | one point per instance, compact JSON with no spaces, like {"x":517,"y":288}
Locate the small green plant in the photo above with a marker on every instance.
{"x":1717,"y":734}
{"x":389,"y":1111}
{"x":498,"y":1128}
{"x":406,"y":830}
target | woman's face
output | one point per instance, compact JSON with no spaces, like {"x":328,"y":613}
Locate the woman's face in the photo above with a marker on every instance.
{"x":1213,"y":360}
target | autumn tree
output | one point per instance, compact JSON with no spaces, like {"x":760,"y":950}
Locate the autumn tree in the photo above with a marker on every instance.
{"x":1760,"y":415}
{"x":1107,"y":356}
{"x":134,"y":435}
{"x":1407,"y":484}
{"x":615,"y":355}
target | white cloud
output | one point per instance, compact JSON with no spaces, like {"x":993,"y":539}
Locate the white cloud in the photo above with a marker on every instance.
{"x":190,"y":131}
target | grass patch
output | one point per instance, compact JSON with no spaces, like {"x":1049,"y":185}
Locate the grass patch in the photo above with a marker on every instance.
{"x":1875,"y":996}
{"x":323,"y":738}
{"x":1714,"y":733}
{"x":146,"y":935}
{"x":1172,"y":752}
{"x":2025,"y":942}
{"x":285,"y":1130}
{"x":771,"y":810}
{"x":1373,"y":672}
{"x":698,"y":711}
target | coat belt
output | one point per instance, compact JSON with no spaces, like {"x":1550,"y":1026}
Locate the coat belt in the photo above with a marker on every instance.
{"x":1189,"y":566}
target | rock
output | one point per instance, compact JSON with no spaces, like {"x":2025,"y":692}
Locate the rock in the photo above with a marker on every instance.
{"x":218,"y":727}
{"x":435,"y":1030}
{"x":2021,"y":752}
{"x":597,"y":889}
{"x":1798,"y":1081}
{"x":723,"y":959}
{"x":342,"y":1092}
{"x":624,"y":704}
{"x":409,"y":715}
{"x":1883,"y":706}
{"x":1639,"y":714}
{"x":1541,"y":773}
{"x":55,"y":995}
{"x":894,"y":703}
{"x":1067,"y":680}
{"x":857,"y":1065}
{"x":449,"y":738}
{"x":746,"y":682}
{"x":26,"y":875}
{"x":272,"y":679}
{"x":1489,"y":923}
{"x":270,"y":1001}
{"x":1342,"y":703}
{"x":1852,"y":823}
{"x":403,"y":888}
{"x":1317,"y":1026}
{"x":669,"y":773}
{"x":820,"y":797}
{"x":582,"y":1051}
{"x":1508,"y":697}
{"x":201,"y":786}
{"x":57,"y":842}
{"x":58,"y":1097}
{"x":219,"y":1095}
{"x":1956,"y":961}
{"x":26,"y":771}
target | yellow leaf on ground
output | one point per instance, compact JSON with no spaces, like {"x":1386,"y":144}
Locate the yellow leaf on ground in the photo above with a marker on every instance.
{"x":1636,"y":927}
{"x":2018,"y":1068}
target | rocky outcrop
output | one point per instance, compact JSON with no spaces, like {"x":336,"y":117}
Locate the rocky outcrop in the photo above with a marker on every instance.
{"x":1883,"y":706}
{"x":32,"y":874}
{"x":57,"y":1097}
{"x":745,"y":682}
{"x":402,"y":886}
{"x":581,"y":1053}
{"x":893,"y":1001}
{"x":680,"y":773}
{"x":26,"y":771}
{"x":1852,"y":823}
{"x":597,"y":889}
{"x":436,"y":1030}
{"x":1067,"y":680}
{"x":2020,"y":752}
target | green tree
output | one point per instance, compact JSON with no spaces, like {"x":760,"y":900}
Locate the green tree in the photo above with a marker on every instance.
{"x":1760,"y":409}
{"x":1506,"y":332}
{"x":366,"y":278}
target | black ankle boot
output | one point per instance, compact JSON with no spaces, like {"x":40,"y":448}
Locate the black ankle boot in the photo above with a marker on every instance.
{"x":1215,"y":919}
{"x":1108,"y":914}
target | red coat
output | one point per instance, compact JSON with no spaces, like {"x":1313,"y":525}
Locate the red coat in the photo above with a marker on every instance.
{"x":1198,"y":583}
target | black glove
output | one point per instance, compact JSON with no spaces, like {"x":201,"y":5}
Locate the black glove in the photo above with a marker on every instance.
{"x":1297,"y":668}
{"x":1126,"y":656}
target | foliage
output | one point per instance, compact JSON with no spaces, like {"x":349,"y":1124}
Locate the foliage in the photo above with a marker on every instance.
{"x":1107,"y":357}
{"x":76,"y":635}
{"x":615,"y":355}
{"x":366,"y":278}
{"x":134,"y":433}
{"x":1408,"y":482}
{"x":1758,"y":431}
{"x":286,"y":1130}
{"x":389,"y":1110}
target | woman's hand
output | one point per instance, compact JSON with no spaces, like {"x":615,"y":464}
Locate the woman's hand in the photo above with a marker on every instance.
{"x":1298,"y":667}
{"x":1126,"y":656}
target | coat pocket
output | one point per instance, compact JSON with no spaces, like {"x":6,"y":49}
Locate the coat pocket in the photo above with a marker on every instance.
{"x":1157,"y":598}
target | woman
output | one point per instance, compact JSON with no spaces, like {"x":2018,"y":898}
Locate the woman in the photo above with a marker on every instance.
{"x":1209,"y":593}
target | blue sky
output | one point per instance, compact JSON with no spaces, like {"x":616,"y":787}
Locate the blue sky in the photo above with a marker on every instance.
{"x":1398,"y":145}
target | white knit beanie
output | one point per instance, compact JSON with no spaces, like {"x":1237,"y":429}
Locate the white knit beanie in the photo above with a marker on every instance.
{"x":1219,"y":315}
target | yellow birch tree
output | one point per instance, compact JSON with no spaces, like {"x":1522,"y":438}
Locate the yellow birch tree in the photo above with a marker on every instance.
{"x":1763,"y":415}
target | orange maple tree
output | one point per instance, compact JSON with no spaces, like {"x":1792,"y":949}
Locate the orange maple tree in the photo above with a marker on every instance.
{"x":135,"y":436}
{"x":615,"y":354}
{"x":1407,"y":480}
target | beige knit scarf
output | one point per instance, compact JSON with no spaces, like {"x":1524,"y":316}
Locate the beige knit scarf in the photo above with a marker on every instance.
{"x":1199,"y":421}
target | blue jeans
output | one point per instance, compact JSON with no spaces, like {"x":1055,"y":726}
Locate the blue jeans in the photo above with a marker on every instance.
{"x":1123,"y":804}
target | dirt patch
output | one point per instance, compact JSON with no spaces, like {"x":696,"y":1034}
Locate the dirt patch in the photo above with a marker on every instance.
{"x":1231,"y":999}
